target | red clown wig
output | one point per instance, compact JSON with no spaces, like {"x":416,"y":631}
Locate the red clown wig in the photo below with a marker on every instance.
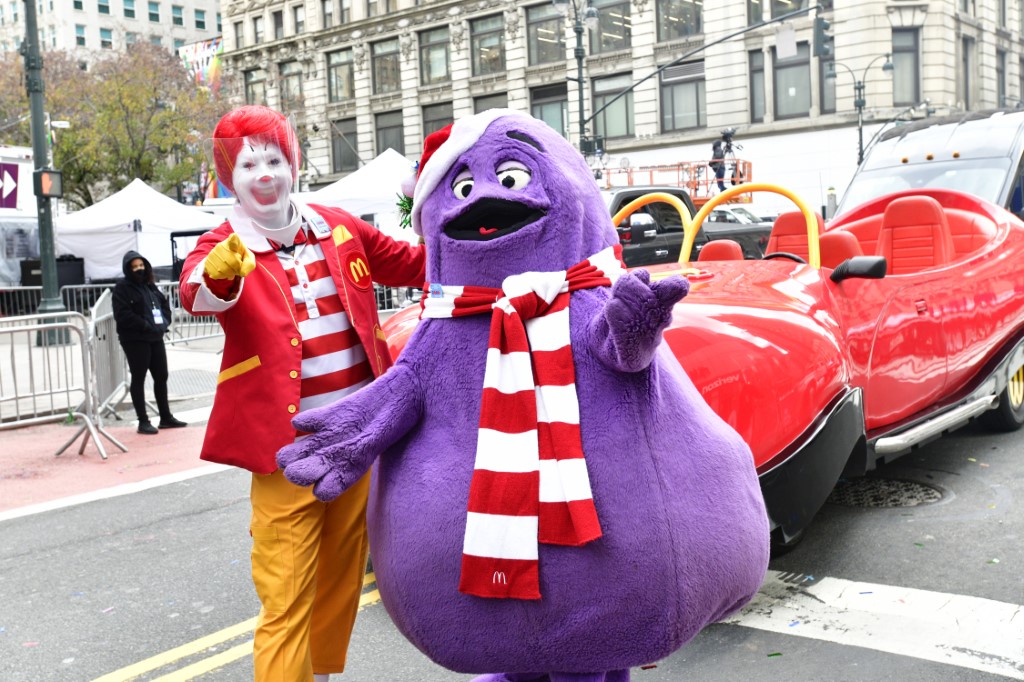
{"x":259,"y":124}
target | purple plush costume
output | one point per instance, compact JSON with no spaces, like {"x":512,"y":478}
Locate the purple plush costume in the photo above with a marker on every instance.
{"x":685,"y":535}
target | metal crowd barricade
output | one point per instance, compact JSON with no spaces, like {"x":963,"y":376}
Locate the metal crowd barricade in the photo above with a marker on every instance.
{"x":186,"y":327}
{"x":19,"y":301}
{"x":46,"y":375}
{"x":109,"y":363}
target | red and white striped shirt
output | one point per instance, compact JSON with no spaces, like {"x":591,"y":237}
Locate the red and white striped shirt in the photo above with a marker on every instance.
{"x":334,"y":362}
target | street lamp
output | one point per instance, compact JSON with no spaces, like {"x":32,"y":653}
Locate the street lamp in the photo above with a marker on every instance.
{"x":858,"y":92}
{"x":590,"y":20}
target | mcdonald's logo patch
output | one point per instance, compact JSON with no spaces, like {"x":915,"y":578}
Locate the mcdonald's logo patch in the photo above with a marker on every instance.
{"x":499,"y":578}
{"x":357,"y":271}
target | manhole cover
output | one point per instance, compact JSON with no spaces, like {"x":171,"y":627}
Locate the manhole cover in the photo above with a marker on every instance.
{"x":881,"y":492}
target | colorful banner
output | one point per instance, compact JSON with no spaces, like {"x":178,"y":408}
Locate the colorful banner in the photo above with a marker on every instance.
{"x":203,"y":61}
{"x":8,"y":185}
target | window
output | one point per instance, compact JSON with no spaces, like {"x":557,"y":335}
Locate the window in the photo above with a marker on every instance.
{"x":617,"y":119}
{"x":103,"y":6}
{"x":679,"y":18}
{"x":498,"y":101}
{"x":178,"y":42}
{"x":299,"y":16}
{"x":486,"y":38}
{"x":79,"y":35}
{"x":257,"y":30}
{"x":436,"y":116}
{"x":550,"y":103}
{"x":340,"y":76}
{"x":77,"y":4}
{"x":755,"y":12}
{"x":966,"y":64}
{"x":239,"y":35}
{"x":343,"y":146}
{"x":220,"y":29}
{"x":177,"y":15}
{"x":326,"y":13}
{"x":278,"y":18}
{"x":390,"y":132}
{"x":434,"y":56}
{"x":201,"y":19}
{"x":106,"y":39}
{"x":255,"y":86}
{"x":291,"y":84}
{"x":156,"y":40}
{"x":967,"y":6}
{"x":756,"y":86}
{"x":781,"y":7}
{"x":683,"y":100}
{"x":792,"y":83}
{"x":826,"y":85}
{"x":1001,"y":16}
{"x":386,"y":69}
{"x":14,"y":12}
{"x":346,"y":11}
{"x":906,"y":67}
{"x":129,"y":9}
{"x":1001,"y":78}
{"x":545,"y":35}
{"x":613,"y":30}
{"x":130,"y":38}
{"x":154,"y":12}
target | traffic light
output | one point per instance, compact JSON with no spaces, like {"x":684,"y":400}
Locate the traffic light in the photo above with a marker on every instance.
{"x":48,"y":183}
{"x":822,"y":40}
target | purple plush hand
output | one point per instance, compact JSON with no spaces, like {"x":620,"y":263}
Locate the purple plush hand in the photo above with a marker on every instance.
{"x":348,"y":435}
{"x":628,"y":332}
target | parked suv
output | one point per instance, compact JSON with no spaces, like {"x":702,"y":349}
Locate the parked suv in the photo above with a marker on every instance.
{"x":654,"y":233}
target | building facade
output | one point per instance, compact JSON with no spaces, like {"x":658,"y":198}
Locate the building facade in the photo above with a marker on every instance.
{"x":364,"y":75}
{"x":90,"y":28}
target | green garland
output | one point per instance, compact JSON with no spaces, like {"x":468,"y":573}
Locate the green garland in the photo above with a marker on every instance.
{"x":405,"y":210}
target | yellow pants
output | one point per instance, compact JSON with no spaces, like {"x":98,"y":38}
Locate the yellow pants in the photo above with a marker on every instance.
{"x":308,"y":562}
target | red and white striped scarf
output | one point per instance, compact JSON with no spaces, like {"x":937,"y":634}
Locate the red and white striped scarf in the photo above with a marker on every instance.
{"x":530,"y":482}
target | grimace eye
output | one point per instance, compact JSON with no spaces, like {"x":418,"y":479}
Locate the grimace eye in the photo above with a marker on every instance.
{"x":513,"y":176}
{"x":463,"y":185}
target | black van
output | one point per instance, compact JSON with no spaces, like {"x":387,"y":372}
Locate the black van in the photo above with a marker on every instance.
{"x":977,"y":152}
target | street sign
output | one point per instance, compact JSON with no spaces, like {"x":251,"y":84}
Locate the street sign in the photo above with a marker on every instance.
{"x":8,"y":185}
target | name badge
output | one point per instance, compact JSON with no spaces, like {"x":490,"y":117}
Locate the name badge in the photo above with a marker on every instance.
{"x":158,"y":315}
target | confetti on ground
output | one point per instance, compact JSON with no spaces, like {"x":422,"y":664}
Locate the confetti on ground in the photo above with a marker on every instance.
{"x":649,"y":667}
{"x":806,"y":577}
{"x":78,"y":594}
{"x":794,"y":623}
{"x":918,"y":544}
{"x":867,"y":592}
{"x":991,"y":506}
{"x":68,"y":661}
{"x":982,"y":464}
{"x":108,"y":609}
{"x":773,"y":655}
{"x":994,"y":561}
{"x":234,"y":561}
{"x":971,"y":459}
{"x":30,"y":643}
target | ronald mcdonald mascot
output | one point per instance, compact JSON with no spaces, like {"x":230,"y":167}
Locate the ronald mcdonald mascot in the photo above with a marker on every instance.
{"x":553,"y":499}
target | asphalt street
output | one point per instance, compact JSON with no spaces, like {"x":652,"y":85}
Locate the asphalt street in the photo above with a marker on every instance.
{"x":155,"y":586}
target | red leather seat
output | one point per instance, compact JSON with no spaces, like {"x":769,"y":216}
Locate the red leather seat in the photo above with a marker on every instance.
{"x":721,"y":249}
{"x":836,"y":246}
{"x":915,"y":236}
{"x":789,"y":234}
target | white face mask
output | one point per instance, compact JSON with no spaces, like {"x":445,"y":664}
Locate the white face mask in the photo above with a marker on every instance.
{"x":262,"y":178}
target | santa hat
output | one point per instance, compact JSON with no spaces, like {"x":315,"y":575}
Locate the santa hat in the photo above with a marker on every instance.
{"x":440,"y":151}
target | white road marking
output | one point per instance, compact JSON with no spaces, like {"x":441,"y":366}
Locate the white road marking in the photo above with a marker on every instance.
{"x":969,"y":632}
{"x":114,"y":491}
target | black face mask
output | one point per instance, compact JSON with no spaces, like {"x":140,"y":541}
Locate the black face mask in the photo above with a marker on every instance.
{"x":139,"y":276}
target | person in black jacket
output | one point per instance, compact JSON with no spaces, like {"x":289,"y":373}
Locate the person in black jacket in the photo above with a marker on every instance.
{"x":143,"y":315}
{"x":717,"y":163}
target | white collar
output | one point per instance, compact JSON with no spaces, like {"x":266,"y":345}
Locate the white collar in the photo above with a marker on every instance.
{"x":256,"y":237}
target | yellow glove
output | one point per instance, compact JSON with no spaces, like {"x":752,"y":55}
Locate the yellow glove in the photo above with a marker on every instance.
{"x":229,"y":259}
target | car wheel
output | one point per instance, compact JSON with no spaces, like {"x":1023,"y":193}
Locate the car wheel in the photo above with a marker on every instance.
{"x":779,"y":545}
{"x":1009,"y":416}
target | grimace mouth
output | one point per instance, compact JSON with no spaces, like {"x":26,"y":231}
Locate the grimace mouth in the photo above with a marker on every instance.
{"x":488,"y":219}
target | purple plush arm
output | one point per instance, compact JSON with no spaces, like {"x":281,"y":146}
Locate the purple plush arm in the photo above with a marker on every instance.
{"x":348,"y":435}
{"x":627,"y":332}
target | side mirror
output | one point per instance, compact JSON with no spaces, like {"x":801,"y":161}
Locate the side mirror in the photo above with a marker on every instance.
{"x":642,"y":226}
{"x":862,"y":267}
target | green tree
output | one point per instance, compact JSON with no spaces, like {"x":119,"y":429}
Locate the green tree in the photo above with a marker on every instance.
{"x":135,"y":114}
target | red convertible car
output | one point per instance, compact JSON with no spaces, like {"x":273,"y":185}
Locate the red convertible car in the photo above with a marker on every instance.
{"x":912,"y":326}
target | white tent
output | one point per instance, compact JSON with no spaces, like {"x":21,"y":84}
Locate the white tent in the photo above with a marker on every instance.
{"x":136,"y":218}
{"x":371,"y":190}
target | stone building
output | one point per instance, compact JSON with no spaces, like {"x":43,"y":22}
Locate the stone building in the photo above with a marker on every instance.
{"x":364,"y":75}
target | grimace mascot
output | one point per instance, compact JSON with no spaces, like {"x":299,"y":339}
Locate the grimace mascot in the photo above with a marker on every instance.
{"x":553,"y":499}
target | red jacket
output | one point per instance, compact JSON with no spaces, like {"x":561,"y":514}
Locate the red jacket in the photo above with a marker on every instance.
{"x":258,"y":386}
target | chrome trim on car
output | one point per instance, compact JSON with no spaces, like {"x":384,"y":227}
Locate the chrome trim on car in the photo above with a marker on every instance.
{"x":956,"y":417}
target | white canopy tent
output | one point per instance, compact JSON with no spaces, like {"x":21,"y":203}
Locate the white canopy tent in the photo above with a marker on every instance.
{"x":371,"y":190}
{"x":136,"y":218}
